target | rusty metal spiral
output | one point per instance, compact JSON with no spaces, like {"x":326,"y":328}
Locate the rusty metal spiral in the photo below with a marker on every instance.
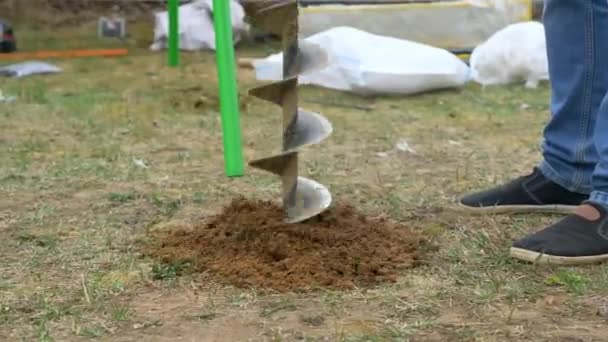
{"x":303,"y":198}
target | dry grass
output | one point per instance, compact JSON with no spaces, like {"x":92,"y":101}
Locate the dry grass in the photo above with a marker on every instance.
{"x":75,"y":206}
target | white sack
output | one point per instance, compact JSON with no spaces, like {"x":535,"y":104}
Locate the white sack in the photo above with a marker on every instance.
{"x":369,"y":64}
{"x":196,"y":31}
{"x":6,"y":99}
{"x":28,"y":68}
{"x":514,"y":54}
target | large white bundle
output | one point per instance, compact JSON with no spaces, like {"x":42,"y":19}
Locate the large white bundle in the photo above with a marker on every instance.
{"x":196,"y":31}
{"x":369,"y":64}
{"x":514,"y":54}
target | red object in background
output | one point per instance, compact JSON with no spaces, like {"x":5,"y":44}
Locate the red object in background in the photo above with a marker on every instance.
{"x":66,"y":54}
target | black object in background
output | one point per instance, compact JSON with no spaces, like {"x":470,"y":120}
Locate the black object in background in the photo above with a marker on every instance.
{"x":7,"y":38}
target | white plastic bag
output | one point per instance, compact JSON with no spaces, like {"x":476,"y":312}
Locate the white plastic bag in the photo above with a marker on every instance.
{"x":196,"y":30}
{"x":514,"y":54}
{"x":368,"y":64}
{"x":28,"y":68}
{"x":6,"y":99}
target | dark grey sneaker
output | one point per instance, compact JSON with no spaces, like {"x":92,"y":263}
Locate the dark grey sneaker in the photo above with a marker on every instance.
{"x":580,"y":238}
{"x":527,"y":194}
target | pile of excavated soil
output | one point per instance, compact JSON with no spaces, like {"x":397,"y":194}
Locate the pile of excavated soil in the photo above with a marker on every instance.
{"x":247,"y":244}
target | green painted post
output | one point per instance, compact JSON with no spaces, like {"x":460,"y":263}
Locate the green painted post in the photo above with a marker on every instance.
{"x":173,"y":33}
{"x":229,"y":98}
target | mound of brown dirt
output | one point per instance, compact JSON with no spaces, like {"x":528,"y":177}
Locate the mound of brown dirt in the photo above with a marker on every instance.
{"x":247,"y":244}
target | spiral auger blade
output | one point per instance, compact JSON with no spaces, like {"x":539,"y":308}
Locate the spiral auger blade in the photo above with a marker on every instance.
{"x":302,"y":198}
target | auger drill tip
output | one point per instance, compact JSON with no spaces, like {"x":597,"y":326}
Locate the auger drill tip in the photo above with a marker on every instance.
{"x":302,"y":198}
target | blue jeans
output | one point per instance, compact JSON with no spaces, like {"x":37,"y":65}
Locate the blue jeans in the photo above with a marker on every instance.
{"x":575,"y":146}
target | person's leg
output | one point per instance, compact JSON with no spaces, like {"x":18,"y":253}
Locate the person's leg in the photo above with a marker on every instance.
{"x":576,"y":47}
{"x":600,"y":175}
{"x":581,"y":237}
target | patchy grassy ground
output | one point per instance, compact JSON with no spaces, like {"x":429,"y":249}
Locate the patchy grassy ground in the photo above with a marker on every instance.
{"x":94,"y":159}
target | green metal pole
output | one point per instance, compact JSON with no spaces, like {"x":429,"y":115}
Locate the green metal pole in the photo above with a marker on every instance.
{"x":229,"y":100}
{"x":173,"y":33}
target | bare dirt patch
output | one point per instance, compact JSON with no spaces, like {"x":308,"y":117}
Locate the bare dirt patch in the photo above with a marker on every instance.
{"x":247,"y":244}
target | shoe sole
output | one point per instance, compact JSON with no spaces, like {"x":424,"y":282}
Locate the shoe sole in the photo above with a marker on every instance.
{"x":546,"y":259}
{"x":518,"y":209}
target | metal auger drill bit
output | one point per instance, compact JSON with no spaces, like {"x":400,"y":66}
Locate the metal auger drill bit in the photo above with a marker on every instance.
{"x":302,"y":198}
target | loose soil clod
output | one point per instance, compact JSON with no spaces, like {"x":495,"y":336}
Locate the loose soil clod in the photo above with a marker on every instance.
{"x":247,"y":244}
